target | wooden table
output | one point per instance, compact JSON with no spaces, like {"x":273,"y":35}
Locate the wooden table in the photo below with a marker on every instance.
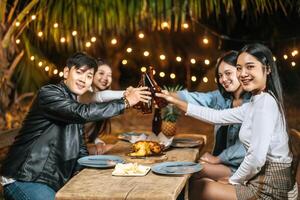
{"x":100,"y":184}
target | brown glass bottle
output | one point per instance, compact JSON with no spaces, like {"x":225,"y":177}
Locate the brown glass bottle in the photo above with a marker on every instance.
{"x":146,"y":108}
{"x":154,"y":88}
{"x":156,"y":121}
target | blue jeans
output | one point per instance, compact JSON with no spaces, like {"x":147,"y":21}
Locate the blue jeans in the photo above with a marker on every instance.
{"x":19,"y":190}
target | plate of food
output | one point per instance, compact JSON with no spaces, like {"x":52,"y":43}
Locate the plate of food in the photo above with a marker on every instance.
{"x":130,"y":169}
{"x":186,"y":142}
{"x":176,"y":168}
{"x":100,"y":161}
{"x":146,"y":148}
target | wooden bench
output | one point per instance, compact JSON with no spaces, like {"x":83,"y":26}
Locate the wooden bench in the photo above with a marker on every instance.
{"x":295,"y":139}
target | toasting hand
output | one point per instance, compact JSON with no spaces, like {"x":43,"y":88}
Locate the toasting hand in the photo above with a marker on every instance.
{"x":135,"y":95}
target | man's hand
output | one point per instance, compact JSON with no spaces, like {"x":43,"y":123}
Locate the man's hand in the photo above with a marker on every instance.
{"x":135,"y":95}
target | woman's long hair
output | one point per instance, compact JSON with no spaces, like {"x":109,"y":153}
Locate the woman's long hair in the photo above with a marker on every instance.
{"x":230,"y":58}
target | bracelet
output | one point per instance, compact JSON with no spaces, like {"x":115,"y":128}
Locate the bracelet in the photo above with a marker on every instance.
{"x":126,"y":102}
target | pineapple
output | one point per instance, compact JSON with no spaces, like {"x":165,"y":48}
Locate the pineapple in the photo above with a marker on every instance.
{"x":170,"y":115}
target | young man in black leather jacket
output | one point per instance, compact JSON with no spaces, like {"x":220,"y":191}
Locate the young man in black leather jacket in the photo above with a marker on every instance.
{"x":44,"y":155}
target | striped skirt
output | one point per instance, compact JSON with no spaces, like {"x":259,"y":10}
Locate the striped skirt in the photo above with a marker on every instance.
{"x":274,"y":181}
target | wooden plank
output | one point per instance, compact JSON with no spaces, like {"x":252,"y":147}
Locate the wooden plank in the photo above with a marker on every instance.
{"x":100,"y":184}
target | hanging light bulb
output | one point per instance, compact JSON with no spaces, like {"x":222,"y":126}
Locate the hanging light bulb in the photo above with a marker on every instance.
{"x":285,"y":56}
{"x":293,"y":64}
{"x":194,"y":78}
{"x":47,"y":68}
{"x":32,"y":58}
{"x":74,"y":33}
{"x":114,"y":41}
{"x":206,"y":61}
{"x":162,"y":57}
{"x":172,"y":76}
{"x":61,"y":74}
{"x":146,"y":53}
{"x":178,"y":59}
{"x":40,"y":33}
{"x":185,"y":25}
{"x":33,"y":17}
{"x":205,"y":79}
{"x":129,"y":50}
{"x":93,"y":39}
{"x":40,"y":63}
{"x":193,"y":60}
{"x":18,"y":41}
{"x":17,"y":23}
{"x":274,"y":58}
{"x":165,"y":25}
{"x":205,"y":40}
{"x":55,"y":25}
{"x":88,"y":44}
{"x":162,"y":74}
{"x":55,"y":71}
{"x":141,"y":35}
{"x":143,"y":69}
{"x":124,"y":62}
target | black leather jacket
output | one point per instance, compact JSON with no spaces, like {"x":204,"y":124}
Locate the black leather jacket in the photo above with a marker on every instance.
{"x":51,"y":138}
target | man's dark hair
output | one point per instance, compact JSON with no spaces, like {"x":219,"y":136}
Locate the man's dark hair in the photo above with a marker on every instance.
{"x":81,"y":59}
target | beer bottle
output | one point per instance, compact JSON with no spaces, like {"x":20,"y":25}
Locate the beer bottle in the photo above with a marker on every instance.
{"x":156,"y":121}
{"x":154,"y":88}
{"x":146,"y":108}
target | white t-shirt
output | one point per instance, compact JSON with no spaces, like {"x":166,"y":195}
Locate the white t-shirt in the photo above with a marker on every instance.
{"x":263,"y":132}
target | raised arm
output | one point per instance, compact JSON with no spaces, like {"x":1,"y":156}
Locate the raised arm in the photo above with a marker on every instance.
{"x":228,"y":116}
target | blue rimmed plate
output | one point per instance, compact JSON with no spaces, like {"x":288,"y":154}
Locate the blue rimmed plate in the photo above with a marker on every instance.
{"x":176,"y":168}
{"x":100,"y":161}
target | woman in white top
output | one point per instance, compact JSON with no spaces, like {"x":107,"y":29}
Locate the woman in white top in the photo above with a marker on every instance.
{"x":265,"y":172}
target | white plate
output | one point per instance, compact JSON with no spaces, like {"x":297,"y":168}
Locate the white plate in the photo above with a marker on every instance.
{"x":130,"y":169}
{"x":100,"y":161}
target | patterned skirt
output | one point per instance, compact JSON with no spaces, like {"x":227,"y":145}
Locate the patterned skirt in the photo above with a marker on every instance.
{"x":274,"y":181}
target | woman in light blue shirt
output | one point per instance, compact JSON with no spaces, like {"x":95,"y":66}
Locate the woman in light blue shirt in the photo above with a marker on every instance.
{"x":228,"y":152}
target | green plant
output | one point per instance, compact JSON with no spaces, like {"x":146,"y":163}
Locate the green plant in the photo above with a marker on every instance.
{"x":171,"y":113}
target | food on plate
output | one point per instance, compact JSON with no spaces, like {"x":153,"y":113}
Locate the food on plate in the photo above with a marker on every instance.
{"x":146,"y":148}
{"x":130,"y":169}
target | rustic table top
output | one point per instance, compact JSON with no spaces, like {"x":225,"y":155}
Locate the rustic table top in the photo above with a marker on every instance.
{"x":100,"y":184}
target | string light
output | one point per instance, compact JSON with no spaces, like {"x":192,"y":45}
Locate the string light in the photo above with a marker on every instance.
{"x":40,"y":34}
{"x":165,"y":25}
{"x":114,"y":41}
{"x":47,"y":68}
{"x":185,"y":25}
{"x":193,"y":61}
{"x":285,"y":56}
{"x":55,"y":25}
{"x":274,"y":58}
{"x":146,"y":53}
{"x":55,"y":71}
{"x":143,"y":69}
{"x":154,"y":72}
{"x":88,"y":44}
{"x":194,"y":78}
{"x":17,"y":24}
{"x":172,"y":76}
{"x":141,"y":35}
{"x":32,"y":58}
{"x":205,"y":40}
{"x":162,"y":74}
{"x":206,"y":61}
{"x":205,"y":79}
{"x":162,"y":57}
{"x":178,"y":59}
{"x":293,"y":64}
{"x":74,"y":33}
{"x":129,"y":50}
{"x":61,"y":74}
{"x":62,"y":39}
{"x":294,"y":53}
{"x":33,"y":17}
{"x":124,"y":62}
{"x":18,"y":41}
{"x":93,"y":39}
{"x":40,"y":63}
